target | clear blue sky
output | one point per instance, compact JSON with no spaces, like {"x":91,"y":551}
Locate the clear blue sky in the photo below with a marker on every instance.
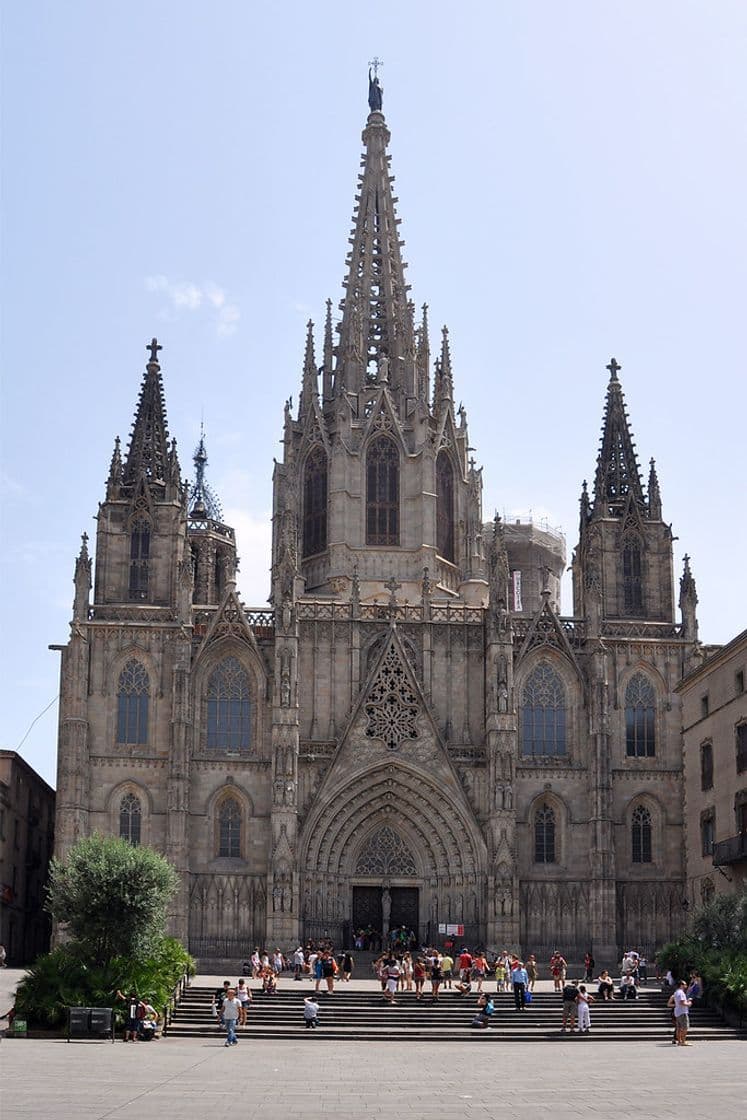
{"x":572,"y":185}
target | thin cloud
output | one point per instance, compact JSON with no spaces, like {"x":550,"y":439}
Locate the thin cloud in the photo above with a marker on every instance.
{"x":186,"y":296}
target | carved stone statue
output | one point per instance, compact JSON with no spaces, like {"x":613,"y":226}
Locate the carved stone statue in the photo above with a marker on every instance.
{"x":375,"y":93}
{"x":502,"y":684}
{"x":285,"y":679}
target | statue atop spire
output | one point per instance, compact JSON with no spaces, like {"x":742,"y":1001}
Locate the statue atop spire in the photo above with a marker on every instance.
{"x":375,"y":89}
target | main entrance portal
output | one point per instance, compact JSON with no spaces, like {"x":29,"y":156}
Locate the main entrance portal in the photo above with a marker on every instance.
{"x":372,"y":908}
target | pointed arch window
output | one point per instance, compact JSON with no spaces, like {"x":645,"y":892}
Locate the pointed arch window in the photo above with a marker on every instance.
{"x":315,"y":502}
{"x":445,"y":506}
{"x":229,"y":707}
{"x":640,"y":718}
{"x":139,"y":558}
{"x":382,"y":492}
{"x":632,"y":581}
{"x":130,"y":818}
{"x":229,"y":829}
{"x":543,"y":713}
{"x":133,"y":694}
{"x":641,"y":835}
{"x":544,"y":835}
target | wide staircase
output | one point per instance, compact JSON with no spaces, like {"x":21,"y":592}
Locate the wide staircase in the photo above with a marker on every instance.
{"x":364,"y":1015}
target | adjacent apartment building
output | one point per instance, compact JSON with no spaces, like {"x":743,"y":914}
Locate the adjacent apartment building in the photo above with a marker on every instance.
{"x":27,"y":807}
{"x":714,"y":733}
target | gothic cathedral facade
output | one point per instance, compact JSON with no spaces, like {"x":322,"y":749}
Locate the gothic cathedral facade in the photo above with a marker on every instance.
{"x":412,"y":733}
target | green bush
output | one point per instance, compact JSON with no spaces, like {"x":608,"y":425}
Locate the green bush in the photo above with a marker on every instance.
{"x":65,"y":978}
{"x":717,"y":949}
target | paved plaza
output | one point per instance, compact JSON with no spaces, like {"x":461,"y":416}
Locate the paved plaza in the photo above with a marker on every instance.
{"x":313,"y":1078}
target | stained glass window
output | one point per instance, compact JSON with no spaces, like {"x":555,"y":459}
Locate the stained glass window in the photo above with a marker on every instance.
{"x":640,"y":717}
{"x":445,"y":507}
{"x":382,"y":492}
{"x":543,"y":713}
{"x":544,"y":835}
{"x":229,"y":707}
{"x":641,"y":835}
{"x":229,"y":829}
{"x":315,"y":502}
{"x":132,"y":704}
{"x":130,"y":818}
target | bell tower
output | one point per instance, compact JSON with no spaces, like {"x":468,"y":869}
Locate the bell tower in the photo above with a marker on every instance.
{"x":376,"y":465}
{"x":623,"y":564}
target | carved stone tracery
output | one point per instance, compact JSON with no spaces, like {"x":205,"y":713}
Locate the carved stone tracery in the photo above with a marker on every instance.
{"x":392,"y":707}
{"x":386,"y":854}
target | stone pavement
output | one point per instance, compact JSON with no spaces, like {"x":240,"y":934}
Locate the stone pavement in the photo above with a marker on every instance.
{"x":194,"y":1079}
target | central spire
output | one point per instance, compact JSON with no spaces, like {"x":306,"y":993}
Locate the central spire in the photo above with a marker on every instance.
{"x":376,"y":320}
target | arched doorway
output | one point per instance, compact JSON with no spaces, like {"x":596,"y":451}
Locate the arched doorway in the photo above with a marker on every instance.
{"x":387,"y":845}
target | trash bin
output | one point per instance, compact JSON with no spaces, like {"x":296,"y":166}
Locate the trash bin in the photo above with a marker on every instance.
{"x":90,"y":1022}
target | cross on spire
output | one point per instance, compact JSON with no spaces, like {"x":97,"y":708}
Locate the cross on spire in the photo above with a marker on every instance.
{"x":154,"y":347}
{"x":392,"y":587}
{"x":375,"y":63}
{"x":613,"y":366}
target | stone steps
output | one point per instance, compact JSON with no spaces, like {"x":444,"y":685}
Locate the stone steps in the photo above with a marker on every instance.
{"x":363,"y":1015}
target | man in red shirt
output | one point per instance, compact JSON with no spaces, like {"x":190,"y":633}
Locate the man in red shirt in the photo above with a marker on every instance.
{"x":465,"y":964}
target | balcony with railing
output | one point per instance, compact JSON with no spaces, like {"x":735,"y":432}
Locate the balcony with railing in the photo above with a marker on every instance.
{"x":733,"y":850}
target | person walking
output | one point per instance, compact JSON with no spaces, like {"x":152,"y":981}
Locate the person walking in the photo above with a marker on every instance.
{"x":436,"y":976}
{"x":588,"y":966}
{"x":681,"y":1004}
{"x":231,"y":1012}
{"x":531,"y":967}
{"x":244,"y":996}
{"x":298,"y":963}
{"x":583,"y":999}
{"x":479,"y":970}
{"x":418,"y":976}
{"x":347,"y":966}
{"x":519,"y":979}
{"x":392,"y":979}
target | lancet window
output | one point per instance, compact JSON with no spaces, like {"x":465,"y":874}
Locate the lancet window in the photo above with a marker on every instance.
{"x":382,"y":492}
{"x":543,"y":713}
{"x":315,"y":502}
{"x":130,"y":818}
{"x":544,"y":835}
{"x":632,"y":581}
{"x":139,"y":558}
{"x":640,"y":718}
{"x":229,"y":707}
{"x":641,"y":835}
{"x":445,"y":506}
{"x":132,"y":704}
{"x":229,"y":829}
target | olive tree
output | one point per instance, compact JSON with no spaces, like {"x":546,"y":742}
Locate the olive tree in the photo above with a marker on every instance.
{"x":113,"y":897}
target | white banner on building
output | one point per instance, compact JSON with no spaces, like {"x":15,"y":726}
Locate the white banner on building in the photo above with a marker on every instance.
{"x":516,"y":578}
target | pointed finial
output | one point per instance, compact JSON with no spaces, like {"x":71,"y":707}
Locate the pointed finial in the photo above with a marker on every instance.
{"x":84,"y":546}
{"x":153,"y":346}
{"x":654,"y":493}
{"x":614,"y":367}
